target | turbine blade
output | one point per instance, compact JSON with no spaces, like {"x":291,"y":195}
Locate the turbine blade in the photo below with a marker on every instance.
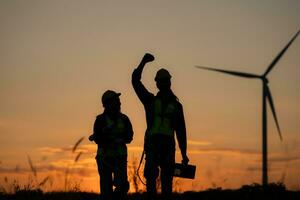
{"x":276,"y":59}
{"x":271,"y":103}
{"x":234,"y":73}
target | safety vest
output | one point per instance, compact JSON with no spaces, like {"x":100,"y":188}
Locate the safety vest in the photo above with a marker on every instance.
{"x":162,"y":118}
{"x":116,"y":130}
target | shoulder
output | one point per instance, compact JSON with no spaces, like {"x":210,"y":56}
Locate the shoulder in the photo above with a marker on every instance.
{"x":177,"y":104}
{"x":124,"y":117}
{"x":100,"y":118}
{"x":99,"y":121}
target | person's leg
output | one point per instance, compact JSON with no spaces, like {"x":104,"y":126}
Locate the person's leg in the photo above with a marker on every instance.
{"x":167,"y":162}
{"x":166,"y":180}
{"x":105,"y":172}
{"x":120,"y":177}
{"x":151,"y":173}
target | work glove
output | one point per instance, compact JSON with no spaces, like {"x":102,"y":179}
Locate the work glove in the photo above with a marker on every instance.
{"x":92,"y":137}
{"x":148,"y":58}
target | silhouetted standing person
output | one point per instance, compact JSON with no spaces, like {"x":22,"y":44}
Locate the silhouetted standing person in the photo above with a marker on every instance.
{"x":164,"y":116}
{"x":112,"y":131}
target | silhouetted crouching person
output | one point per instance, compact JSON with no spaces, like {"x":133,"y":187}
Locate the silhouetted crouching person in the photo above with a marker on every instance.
{"x":112,"y":131}
{"x":164,"y":116}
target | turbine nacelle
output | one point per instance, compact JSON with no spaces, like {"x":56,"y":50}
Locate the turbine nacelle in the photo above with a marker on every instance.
{"x":264,"y":80}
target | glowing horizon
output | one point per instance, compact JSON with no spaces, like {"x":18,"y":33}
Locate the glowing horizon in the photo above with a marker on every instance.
{"x":54,"y":162}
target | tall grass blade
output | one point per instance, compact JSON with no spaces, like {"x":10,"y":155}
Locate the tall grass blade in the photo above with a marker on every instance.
{"x":44,"y":181}
{"x":32,"y":167}
{"x":77,"y":157}
{"x":77,"y":144}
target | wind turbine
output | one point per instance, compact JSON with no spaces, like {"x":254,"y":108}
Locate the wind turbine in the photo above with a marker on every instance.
{"x":266,"y":96}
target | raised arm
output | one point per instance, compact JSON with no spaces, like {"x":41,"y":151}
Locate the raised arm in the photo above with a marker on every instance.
{"x":138,"y":86}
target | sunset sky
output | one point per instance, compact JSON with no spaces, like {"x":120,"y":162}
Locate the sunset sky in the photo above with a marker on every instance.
{"x":58,"y":57}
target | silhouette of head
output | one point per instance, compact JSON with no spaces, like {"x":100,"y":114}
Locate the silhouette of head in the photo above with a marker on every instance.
{"x":163,"y":80}
{"x":111,"y":101}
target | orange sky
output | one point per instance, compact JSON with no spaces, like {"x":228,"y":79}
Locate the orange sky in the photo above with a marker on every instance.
{"x":58,"y":57}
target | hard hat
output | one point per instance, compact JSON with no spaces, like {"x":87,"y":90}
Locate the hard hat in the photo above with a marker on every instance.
{"x":162,"y":74}
{"x":109,"y":94}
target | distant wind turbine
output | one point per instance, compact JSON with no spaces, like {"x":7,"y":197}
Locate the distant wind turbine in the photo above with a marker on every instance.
{"x":266,"y":94}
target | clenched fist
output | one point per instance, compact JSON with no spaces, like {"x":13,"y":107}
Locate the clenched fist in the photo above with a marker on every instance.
{"x":148,"y":57}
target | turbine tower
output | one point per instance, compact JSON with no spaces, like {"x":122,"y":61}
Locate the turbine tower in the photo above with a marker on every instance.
{"x":266,"y":96}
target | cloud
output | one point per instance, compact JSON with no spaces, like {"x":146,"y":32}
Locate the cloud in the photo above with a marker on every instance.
{"x":204,"y":149}
{"x":87,"y":148}
{"x":259,"y":169}
{"x":92,"y":148}
{"x":22,"y":170}
{"x":281,"y":158}
{"x":84,"y":167}
{"x":284,"y":158}
{"x":13,"y":170}
{"x":198,"y":143}
{"x":230,"y":151}
{"x":52,"y":150}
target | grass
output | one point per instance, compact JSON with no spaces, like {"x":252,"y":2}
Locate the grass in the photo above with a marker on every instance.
{"x":34,"y":189}
{"x":36,"y":185}
{"x":274,"y":191}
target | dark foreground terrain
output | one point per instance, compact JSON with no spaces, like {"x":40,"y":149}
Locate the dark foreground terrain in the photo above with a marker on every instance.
{"x":272,"y":192}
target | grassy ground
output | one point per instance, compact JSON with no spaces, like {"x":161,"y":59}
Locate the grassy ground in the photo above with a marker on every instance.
{"x":271,"y":192}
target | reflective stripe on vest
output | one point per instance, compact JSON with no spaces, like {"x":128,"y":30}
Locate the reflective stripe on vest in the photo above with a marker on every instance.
{"x":115,"y":130}
{"x":162,"y":119}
